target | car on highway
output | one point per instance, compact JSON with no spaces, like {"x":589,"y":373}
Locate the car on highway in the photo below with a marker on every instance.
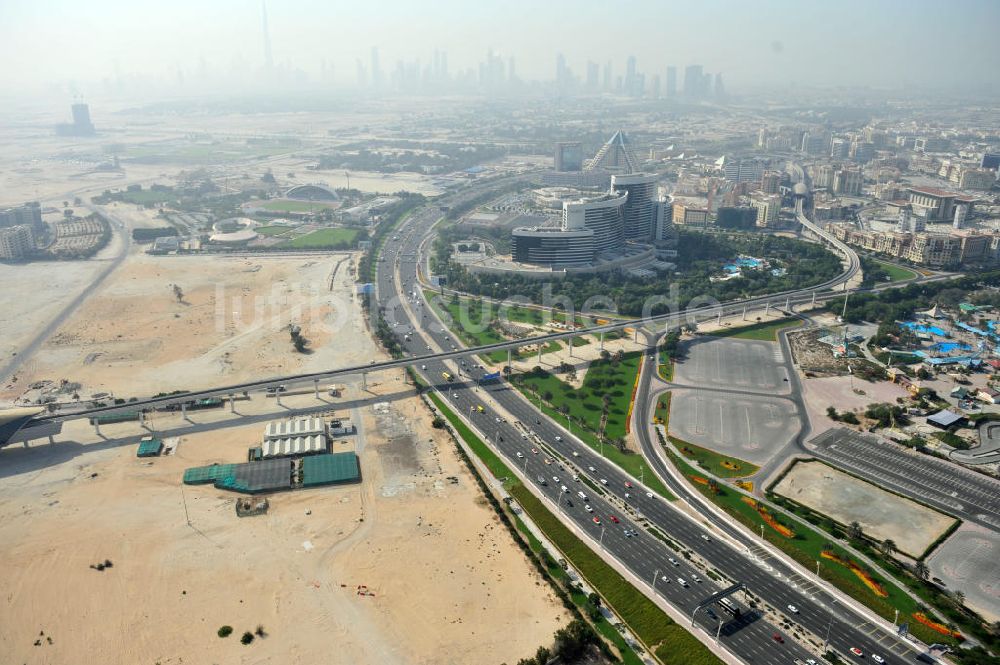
{"x":695,"y":577}
{"x":591,"y":469}
{"x":547,"y":460}
{"x":589,"y":508}
{"x":454,"y":395}
{"x":558,"y":438}
{"x":534,"y":450}
{"x":479,"y":408}
{"x":569,"y":502}
{"x":614,"y":519}
{"x":576,"y":478}
{"x":705,"y":537}
{"x":649,"y":495}
{"x":778,"y":638}
{"x":520,"y":455}
{"x":604,"y":481}
{"x":576,"y":454}
{"x":793,"y":609}
{"x":673,"y":561}
{"x":682,"y":582}
{"x":597,"y":520}
{"x":664,"y":578}
{"x":555,"y":479}
{"x":878,"y":659}
{"x":563,"y":489}
{"x":857,"y":652}
{"x":423,"y":367}
{"x":628,"y":484}
{"x":541,"y":480}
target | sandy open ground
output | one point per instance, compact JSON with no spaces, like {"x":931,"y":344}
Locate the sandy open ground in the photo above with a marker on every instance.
{"x":449,"y":585}
{"x":839,"y":392}
{"x":846,"y":499}
{"x":133,"y":338}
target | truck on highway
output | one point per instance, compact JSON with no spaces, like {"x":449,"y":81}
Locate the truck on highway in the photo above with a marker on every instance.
{"x":446,"y":376}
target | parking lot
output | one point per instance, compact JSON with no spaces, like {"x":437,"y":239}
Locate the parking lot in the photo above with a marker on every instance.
{"x":945,"y":485}
{"x":726,"y":363}
{"x":969,"y":562}
{"x":749,"y":427}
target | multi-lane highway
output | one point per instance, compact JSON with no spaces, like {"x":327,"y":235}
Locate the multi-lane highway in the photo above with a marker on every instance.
{"x":514,"y":427}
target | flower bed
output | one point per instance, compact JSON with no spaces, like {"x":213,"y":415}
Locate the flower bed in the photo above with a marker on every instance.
{"x":861,"y":573}
{"x":938,"y":627}
{"x":765,"y":515}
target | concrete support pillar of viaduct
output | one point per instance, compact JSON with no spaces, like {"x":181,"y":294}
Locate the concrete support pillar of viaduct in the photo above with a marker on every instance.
{"x":767,"y":310}
{"x":509,"y":359}
{"x":184,"y":410}
{"x":635,"y":334}
{"x":97,"y":426}
{"x":718,"y":319}
{"x":814,"y":298}
{"x":364,"y":381}
{"x":570,"y":340}
{"x":316,"y":388}
{"x":539,"y":355}
{"x":232,"y":403}
{"x":744,"y":312}
{"x":602,"y":338}
{"x":788,"y":303}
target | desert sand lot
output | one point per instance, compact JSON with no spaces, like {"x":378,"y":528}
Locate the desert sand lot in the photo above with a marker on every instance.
{"x":449,"y":584}
{"x":133,"y":338}
{"x":881,"y":514}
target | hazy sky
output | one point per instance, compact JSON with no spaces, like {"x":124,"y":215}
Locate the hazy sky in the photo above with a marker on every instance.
{"x":845,"y":42}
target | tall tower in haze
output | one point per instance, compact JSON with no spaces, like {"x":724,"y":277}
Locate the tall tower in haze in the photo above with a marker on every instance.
{"x":268,"y":61}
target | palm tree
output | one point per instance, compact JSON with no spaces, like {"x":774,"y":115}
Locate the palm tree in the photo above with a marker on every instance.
{"x":959,"y":598}
{"x":888,"y":547}
{"x":854,"y":531}
{"x":921,"y":570}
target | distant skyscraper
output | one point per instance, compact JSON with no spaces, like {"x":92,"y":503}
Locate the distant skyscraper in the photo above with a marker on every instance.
{"x":720,"y":90}
{"x":81,"y":119}
{"x":268,"y":61}
{"x":592,"y":74}
{"x":376,"y":71}
{"x":362,"y":74}
{"x":631,"y":84}
{"x":693,"y":80}
{"x":671,"y":81}
{"x":606,"y":79}
{"x":562,"y":74}
{"x":656,"y":86}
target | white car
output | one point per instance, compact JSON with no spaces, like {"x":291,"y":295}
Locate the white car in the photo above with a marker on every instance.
{"x":576,"y":454}
{"x":664,"y":578}
{"x":520,"y":455}
{"x":705,"y":537}
{"x":673,"y":561}
{"x":793,"y":609}
{"x":498,"y":419}
{"x":877,"y":658}
{"x":423,"y":367}
{"x":576,"y":478}
{"x":588,"y":507}
{"x":682,"y":582}
{"x":649,"y":495}
{"x":555,"y":479}
{"x":604,"y":481}
{"x":591,"y":469}
{"x":558,"y":438}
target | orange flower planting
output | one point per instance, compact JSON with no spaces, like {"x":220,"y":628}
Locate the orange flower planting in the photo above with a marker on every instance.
{"x":699,"y":480}
{"x":862,"y":574}
{"x":939,"y":627}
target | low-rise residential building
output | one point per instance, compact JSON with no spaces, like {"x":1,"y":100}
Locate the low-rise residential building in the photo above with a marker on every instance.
{"x":929,"y":249}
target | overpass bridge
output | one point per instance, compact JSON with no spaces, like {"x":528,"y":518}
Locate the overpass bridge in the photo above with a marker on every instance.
{"x":786,"y":300}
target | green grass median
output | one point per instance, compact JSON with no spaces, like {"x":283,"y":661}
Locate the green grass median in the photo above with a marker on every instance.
{"x":764,"y":332}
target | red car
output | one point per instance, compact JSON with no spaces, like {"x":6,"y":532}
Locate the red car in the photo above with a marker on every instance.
{"x":857,"y":652}
{"x":628,"y":484}
{"x":597,"y":520}
{"x":613,"y":519}
{"x":778,"y":638}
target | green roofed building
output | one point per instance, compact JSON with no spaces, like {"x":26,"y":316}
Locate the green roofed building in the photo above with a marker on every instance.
{"x":203,"y":475}
{"x":149,"y":447}
{"x":330,"y":469}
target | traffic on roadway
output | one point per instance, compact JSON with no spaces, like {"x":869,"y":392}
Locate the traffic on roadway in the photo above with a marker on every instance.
{"x":611,"y":513}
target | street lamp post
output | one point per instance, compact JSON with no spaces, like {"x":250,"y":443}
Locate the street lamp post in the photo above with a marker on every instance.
{"x":601,"y":541}
{"x":655,"y":575}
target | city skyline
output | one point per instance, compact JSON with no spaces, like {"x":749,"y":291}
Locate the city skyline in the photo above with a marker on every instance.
{"x":234,"y":42}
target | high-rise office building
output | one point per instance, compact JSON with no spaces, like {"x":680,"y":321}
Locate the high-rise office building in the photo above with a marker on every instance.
{"x":606,"y":77}
{"x":604,"y":215}
{"x":693,"y":81}
{"x":824,"y":177}
{"x":592,"y":75}
{"x":640,"y":206}
{"x":961,"y":212}
{"x":990,"y":161}
{"x":630,"y":79}
{"x":569,"y":156}
{"x":847,"y":181}
{"x":376,"y":71}
{"x":744,"y":170}
{"x":671,"y":81}
{"x":768,"y":206}
{"x":815,"y":142}
{"x":840,"y":148}
{"x":720,"y":90}
{"x":81,"y":125}
{"x":770,"y":182}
